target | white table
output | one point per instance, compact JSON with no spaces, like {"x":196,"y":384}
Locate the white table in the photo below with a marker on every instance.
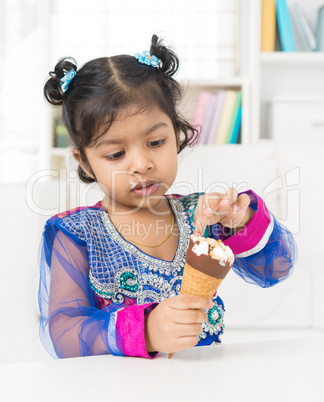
{"x":281,"y":371}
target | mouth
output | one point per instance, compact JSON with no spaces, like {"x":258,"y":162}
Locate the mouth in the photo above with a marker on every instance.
{"x":146,"y":187}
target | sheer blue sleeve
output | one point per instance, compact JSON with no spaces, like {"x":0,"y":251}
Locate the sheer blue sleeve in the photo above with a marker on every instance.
{"x":71,"y":323}
{"x":273,"y":263}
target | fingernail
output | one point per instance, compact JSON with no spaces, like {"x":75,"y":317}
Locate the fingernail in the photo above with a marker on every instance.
{"x":208,"y":211}
{"x":225,"y":202}
{"x":236,"y":208}
{"x":210,"y":304}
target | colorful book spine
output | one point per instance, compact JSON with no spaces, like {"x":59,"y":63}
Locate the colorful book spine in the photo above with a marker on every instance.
{"x":227,"y":113}
{"x":320,"y":30}
{"x":237,"y":126}
{"x":217,"y":116}
{"x":268,"y":26}
{"x":234,"y":117}
{"x":299,"y":35}
{"x":201,"y":110}
{"x":208,"y":122}
{"x":285,"y":27}
{"x":304,"y":26}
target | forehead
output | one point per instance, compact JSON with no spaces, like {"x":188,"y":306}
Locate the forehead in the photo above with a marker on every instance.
{"x":132,"y":121}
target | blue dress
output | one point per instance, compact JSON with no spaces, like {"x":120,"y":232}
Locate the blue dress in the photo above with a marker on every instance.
{"x":90,"y":273}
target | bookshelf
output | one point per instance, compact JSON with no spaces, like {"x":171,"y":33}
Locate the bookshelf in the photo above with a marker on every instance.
{"x":262,"y":77}
{"x":237,"y":83}
{"x":295,"y":74}
{"x":292,"y":58}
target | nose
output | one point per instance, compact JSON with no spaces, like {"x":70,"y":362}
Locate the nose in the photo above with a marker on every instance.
{"x":141,"y":162}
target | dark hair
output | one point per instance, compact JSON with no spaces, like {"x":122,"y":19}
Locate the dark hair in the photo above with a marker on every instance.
{"x":103,"y":87}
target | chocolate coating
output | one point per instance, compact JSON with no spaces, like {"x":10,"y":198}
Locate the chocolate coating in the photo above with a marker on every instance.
{"x":206,"y":264}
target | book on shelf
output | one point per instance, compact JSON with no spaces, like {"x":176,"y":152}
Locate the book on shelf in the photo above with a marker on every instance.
{"x":301,"y":42}
{"x":285,"y":27}
{"x":304,"y":36}
{"x":209,"y":118}
{"x":222,"y":117}
{"x":268,"y":25}
{"x":200,"y":111}
{"x":216,"y":117}
{"x":235,"y":120}
{"x":320,"y":30}
{"x":225,"y":120}
{"x":237,"y":127}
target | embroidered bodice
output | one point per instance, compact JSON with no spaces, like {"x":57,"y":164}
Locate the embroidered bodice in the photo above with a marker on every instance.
{"x":118,"y":269}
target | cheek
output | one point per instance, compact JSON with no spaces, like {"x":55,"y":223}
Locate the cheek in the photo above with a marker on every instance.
{"x":173,"y":164}
{"x":117,"y":183}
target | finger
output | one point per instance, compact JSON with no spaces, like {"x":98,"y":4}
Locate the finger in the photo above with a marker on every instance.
{"x":229,"y":198}
{"x":243,"y":201}
{"x":185,"y":342}
{"x":240,"y":205}
{"x":206,"y":207}
{"x":238,"y":213}
{"x":200,"y":225}
{"x":192,"y":316}
{"x":185,"y":302}
{"x":217,"y":201}
{"x":187,"y":330}
{"x":200,"y":220}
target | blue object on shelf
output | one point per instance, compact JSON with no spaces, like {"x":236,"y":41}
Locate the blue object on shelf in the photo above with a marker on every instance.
{"x":320,"y":30}
{"x":285,"y":27}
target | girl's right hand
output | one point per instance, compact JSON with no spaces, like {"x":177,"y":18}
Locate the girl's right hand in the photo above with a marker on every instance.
{"x":175,"y":323}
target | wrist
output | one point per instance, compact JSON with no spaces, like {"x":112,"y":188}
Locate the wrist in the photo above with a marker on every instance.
{"x":147,"y":335}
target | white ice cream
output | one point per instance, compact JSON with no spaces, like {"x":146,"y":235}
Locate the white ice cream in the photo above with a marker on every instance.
{"x":201,"y":248}
{"x":219,"y":251}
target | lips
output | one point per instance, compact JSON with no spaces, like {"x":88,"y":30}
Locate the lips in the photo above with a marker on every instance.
{"x":146,"y":187}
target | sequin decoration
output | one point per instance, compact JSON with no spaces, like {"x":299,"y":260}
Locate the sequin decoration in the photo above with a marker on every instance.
{"x":215,"y":324}
{"x":118,"y":268}
{"x":122,"y":273}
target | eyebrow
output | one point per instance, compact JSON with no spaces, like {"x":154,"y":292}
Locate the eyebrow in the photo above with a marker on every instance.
{"x":117,"y":141}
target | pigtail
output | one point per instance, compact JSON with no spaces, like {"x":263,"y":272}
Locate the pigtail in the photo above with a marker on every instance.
{"x":52,"y":89}
{"x":170,"y":61}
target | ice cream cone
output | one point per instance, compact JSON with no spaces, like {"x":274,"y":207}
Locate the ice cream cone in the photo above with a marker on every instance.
{"x":202,"y":274}
{"x":197,"y":283}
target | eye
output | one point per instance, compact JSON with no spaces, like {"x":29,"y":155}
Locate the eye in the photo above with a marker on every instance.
{"x":115,"y":156}
{"x":156,"y":143}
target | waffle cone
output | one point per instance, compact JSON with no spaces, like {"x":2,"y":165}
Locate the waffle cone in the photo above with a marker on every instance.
{"x":197,"y":283}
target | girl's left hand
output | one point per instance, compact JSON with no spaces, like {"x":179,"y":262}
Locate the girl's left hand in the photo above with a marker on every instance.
{"x":228,"y":209}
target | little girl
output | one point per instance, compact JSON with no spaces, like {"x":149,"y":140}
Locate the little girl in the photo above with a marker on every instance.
{"x":110,"y":274}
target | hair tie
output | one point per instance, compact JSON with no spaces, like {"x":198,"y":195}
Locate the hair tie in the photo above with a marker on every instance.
{"x":148,"y":59}
{"x":66,"y":79}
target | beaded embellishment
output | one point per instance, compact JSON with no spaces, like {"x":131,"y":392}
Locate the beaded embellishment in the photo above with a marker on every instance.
{"x":122,"y":273}
{"x":215,"y":323}
{"x":139,"y":275}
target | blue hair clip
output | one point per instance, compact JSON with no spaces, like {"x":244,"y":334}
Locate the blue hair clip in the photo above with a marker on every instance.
{"x":148,"y":59}
{"x":66,"y":79}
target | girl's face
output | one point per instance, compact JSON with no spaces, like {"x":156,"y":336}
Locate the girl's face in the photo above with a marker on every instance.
{"x":135,"y":162}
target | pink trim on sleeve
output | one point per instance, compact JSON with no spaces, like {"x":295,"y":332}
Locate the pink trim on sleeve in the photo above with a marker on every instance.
{"x":249,"y":237}
{"x":131,"y":326}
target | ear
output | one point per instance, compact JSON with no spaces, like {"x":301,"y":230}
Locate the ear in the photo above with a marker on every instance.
{"x":77,"y":156}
